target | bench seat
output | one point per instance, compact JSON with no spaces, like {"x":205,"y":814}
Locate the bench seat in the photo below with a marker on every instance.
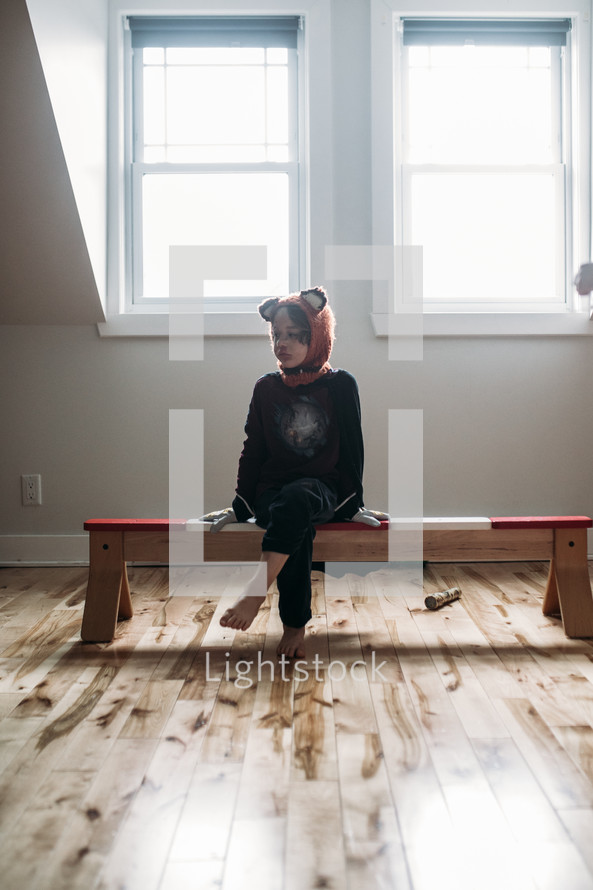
{"x":561,"y":540}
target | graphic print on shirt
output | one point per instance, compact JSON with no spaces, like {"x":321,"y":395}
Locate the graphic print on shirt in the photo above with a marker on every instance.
{"x":302,"y":426}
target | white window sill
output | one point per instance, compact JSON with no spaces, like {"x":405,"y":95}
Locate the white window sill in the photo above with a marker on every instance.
{"x":458,"y":324}
{"x":216,"y":324}
{"x":474,"y":324}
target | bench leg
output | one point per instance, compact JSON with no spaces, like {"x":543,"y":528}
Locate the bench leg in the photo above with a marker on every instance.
{"x":551,"y":603}
{"x":105,"y":585}
{"x":125,"y":609}
{"x":569,"y":585}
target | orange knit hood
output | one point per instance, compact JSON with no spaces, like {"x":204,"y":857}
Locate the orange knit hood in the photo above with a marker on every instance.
{"x":321,"y":322}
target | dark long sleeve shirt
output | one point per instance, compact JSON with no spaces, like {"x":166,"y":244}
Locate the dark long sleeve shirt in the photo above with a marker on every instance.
{"x":302,"y":431}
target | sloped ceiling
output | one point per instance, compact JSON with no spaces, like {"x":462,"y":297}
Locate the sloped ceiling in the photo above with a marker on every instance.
{"x":46,"y":276}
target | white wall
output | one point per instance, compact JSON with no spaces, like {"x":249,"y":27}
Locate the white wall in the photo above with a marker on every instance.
{"x":508,"y":425}
{"x":508,"y":421}
{"x":45,"y":273}
{"x":71,"y":37}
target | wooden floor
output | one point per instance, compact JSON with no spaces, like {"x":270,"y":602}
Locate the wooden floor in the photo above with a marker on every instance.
{"x":415,"y":749}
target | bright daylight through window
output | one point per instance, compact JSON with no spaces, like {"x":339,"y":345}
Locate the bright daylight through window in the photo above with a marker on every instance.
{"x":484,"y":153}
{"x":215,"y":150}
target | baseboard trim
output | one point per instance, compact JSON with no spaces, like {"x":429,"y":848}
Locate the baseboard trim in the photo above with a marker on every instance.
{"x":44,"y":550}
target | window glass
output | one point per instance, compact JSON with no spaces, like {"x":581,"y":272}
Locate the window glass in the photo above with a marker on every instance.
{"x":485,"y":236}
{"x":480,"y":104}
{"x":215,"y":209}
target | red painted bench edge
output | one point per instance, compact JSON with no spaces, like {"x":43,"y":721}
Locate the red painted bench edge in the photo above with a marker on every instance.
{"x":541,"y":521}
{"x":355,"y":526}
{"x":156,"y":525}
{"x":508,"y":522}
{"x":122,"y":525}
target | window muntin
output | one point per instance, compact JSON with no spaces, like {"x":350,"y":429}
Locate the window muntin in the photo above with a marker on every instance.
{"x":483,"y":172}
{"x":215,"y":151}
{"x":239,"y":105}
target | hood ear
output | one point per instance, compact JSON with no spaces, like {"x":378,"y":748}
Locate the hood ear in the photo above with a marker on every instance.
{"x":316,"y":297}
{"x":266,"y":308}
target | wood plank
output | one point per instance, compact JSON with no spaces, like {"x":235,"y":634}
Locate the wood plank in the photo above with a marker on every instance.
{"x":462,"y":781}
{"x":346,"y":668}
{"x":202,"y":834}
{"x":192,"y":622}
{"x":30,"y":658}
{"x":472,"y":704}
{"x":422,"y":811}
{"x":255,"y":855}
{"x":315,"y":854}
{"x":373,"y":843}
{"x":140,"y":546}
{"x":81,"y":851}
{"x":192,"y":876}
{"x":263,"y":793}
{"x":528,"y":811}
{"x":22,"y":777}
{"x":314,"y":746}
{"x":95,"y":737}
{"x":8,"y":702}
{"x":152,"y":710}
{"x":558,"y":864}
{"x":579,"y":824}
{"x":316,"y":636}
{"x":488,"y":855}
{"x":47,"y":819}
{"x":139,"y":855}
{"x":545,"y":846}
{"x":14,"y":735}
{"x":545,"y":695}
{"x":488,"y":544}
{"x":48,"y":588}
{"x":549,"y":760}
{"x":226,"y":735}
{"x":578,"y":742}
{"x":372,"y":545}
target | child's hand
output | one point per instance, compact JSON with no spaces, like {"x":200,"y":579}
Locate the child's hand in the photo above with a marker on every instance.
{"x":219,"y":518}
{"x":370,"y":517}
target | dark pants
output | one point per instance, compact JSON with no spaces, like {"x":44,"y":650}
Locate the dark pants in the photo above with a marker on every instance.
{"x":289,"y":515}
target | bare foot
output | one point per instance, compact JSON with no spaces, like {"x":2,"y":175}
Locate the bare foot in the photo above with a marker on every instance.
{"x":292,"y":643}
{"x":240,"y":616}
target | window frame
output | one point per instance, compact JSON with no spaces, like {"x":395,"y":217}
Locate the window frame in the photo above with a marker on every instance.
{"x":139,"y":167}
{"x":313,"y":182}
{"x":387,"y":183}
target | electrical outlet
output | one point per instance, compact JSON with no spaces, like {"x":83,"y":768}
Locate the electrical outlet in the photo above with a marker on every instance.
{"x":31,"y":490}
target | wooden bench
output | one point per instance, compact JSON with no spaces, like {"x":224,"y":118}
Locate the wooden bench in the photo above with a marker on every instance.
{"x":561,"y":540}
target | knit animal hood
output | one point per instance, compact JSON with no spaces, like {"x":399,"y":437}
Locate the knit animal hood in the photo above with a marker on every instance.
{"x":321,"y":322}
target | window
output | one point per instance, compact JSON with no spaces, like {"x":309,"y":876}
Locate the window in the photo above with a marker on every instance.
{"x":484,"y":160}
{"x":214,"y":150}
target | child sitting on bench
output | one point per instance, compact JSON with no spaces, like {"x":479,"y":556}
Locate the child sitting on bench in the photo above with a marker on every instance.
{"x":301,"y":463}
